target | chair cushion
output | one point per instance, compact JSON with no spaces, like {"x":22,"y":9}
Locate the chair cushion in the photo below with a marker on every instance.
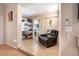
{"x":43,"y":38}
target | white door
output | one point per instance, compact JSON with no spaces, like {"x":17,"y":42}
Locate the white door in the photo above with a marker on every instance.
{"x":1,"y":29}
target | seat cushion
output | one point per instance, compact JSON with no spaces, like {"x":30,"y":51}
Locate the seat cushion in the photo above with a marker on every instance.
{"x":43,"y":38}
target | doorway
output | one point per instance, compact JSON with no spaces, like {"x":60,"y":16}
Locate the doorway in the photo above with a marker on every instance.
{"x":1,"y":29}
{"x":36,"y":28}
{"x":39,"y":27}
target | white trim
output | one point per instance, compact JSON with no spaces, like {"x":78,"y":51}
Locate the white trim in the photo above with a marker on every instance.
{"x":1,"y":43}
{"x":19,"y":31}
{"x":59,"y":29}
{"x":1,"y":31}
{"x":11,"y":45}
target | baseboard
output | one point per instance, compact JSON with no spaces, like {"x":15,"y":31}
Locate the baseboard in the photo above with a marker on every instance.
{"x":1,"y":43}
{"x":24,"y":52}
{"x":11,"y":45}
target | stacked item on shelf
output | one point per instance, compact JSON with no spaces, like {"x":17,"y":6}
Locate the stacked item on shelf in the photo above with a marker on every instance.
{"x":30,"y":28}
{"x":27,"y":28}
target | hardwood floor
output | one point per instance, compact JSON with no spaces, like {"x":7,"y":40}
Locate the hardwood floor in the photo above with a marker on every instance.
{"x":6,"y":50}
{"x":34,"y":47}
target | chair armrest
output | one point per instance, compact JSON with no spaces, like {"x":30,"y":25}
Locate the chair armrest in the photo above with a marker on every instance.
{"x":43,"y":35}
{"x":49,"y":36}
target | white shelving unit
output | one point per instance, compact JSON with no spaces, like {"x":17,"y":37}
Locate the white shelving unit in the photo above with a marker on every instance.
{"x":27,"y":27}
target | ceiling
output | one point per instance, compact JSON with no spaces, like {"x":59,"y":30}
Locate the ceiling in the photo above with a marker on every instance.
{"x":32,"y":9}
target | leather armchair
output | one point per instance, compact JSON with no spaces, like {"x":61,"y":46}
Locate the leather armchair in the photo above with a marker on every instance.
{"x":49,"y":39}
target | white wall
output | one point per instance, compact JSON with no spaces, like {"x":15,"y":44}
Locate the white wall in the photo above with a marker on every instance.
{"x":2,"y":15}
{"x":44,"y":24}
{"x":55,"y":23}
{"x":11,"y":26}
{"x":68,"y":44}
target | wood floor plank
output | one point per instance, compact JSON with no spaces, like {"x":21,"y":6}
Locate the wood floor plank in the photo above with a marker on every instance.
{"x":6,"y":50}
